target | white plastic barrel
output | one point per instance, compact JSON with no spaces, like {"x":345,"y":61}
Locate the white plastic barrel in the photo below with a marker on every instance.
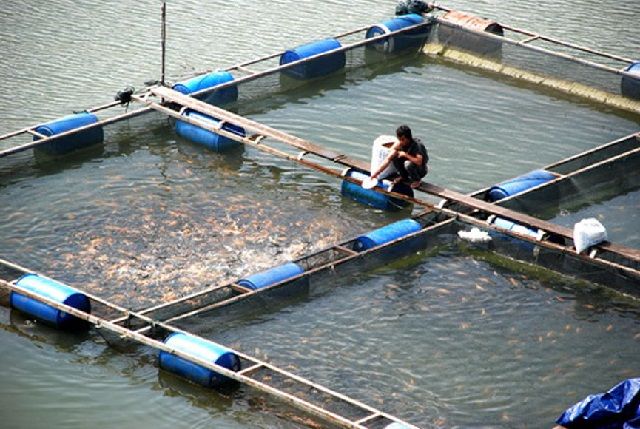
{"x":379,"y":151}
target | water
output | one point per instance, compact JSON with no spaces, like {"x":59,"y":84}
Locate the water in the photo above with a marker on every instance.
{"x":619,"y":215}
{"x":451,"y":341}
{"x":447,"y":340}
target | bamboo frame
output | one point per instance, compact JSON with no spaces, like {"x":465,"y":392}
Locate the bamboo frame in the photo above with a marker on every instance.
{"x":256,"y":75}
{"x":237,"y":376}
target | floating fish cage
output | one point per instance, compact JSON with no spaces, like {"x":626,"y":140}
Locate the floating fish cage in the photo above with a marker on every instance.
{"x":503,"y":210}
{"x":534,"y":58}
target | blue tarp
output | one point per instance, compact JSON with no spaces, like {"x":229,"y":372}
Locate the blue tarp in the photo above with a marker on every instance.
{"x":619,"y":408}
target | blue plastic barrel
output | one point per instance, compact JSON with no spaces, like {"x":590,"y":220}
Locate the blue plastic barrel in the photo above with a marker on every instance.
{"x":217,"y":98}
{"x":207,"y":138}
{"x":519,"y":184}
{"x":630,"y":86}
{"x":271,"y":276}
{"x":317,"y":67}
{"x":55,"y":291}
{"x":75,"y":141}
{"x":371,"y":197}
{"x":386,"y":234}
{"x":409,"y":39}
{"x":202,"y":349}
{"x":515,"y":227}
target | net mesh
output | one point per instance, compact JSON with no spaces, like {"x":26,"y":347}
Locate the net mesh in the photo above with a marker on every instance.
{"x":538,"y":62}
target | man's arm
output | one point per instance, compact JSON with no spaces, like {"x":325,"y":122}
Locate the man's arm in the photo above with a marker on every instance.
{"x":416,"y":159}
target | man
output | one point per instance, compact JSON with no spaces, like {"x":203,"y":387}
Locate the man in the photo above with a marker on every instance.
{"x":409,"y":157}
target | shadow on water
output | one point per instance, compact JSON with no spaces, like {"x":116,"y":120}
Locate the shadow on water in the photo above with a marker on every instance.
{"x":215,"y":400}
{"x":26,"y":166}
{"x":26,"y":327}
{"x":590,"y":298}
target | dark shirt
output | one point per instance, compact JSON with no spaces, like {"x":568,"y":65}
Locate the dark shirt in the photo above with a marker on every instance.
{"x":414,"y":149}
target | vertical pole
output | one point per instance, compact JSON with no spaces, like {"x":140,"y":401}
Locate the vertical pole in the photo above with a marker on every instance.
{"x":163,"y":40}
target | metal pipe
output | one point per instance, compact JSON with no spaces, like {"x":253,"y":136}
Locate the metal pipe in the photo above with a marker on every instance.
{"x":36,"y":143}
{"x":163,"y":39}
{"x":534,"y":48}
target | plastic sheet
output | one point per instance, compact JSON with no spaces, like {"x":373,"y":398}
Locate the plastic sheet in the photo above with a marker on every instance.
{"x":587,"y":233}
{"x":618,"y":408}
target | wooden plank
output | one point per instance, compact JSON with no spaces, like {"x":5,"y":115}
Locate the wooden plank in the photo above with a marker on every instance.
{"x":241,"y":289}
{"x":491,"y":208}
{"x":345,"y":250}
{"x":221,"y":114}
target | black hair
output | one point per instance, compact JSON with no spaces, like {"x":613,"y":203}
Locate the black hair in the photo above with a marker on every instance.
{"x":404,"y":130}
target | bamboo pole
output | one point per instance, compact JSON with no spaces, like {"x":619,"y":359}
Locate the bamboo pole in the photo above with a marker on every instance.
{"x":508,"y":40}
{"x":549,"y":39}
{"x":33,"y":127}
{"x":328,"y":266}
{"x":569,"y":45}
{"x":163,"y":39}
{"x":282,"y":67}
{"x":595,"y":150}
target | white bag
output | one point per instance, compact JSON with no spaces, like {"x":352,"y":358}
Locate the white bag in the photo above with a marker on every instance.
{"x":587,"y":233}
{"x":379,"y":151}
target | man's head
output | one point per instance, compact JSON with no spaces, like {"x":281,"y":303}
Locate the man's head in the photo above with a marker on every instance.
{"x":404,"y":134}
